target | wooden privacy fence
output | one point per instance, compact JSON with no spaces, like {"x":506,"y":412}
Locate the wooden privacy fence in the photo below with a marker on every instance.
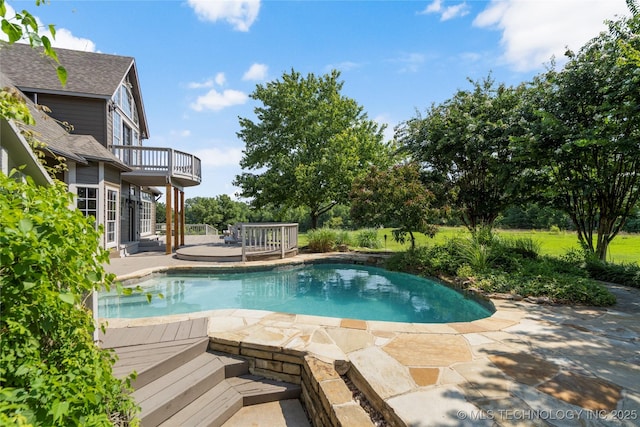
{"x":268,"y":238}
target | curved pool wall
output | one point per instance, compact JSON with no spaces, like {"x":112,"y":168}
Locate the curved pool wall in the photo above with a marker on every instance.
{"x":310,"y":288}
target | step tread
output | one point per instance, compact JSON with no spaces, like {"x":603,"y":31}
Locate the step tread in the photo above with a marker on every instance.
{"x":211,"y":409}
{"x":168,"y":394}
{"x":255,"y":389}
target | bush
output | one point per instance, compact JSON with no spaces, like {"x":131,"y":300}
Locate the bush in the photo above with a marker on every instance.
{"x":368,"y":238}
{"x":506,"y":266}
{"x":322,"y":239}
{"x":622,"y":274}
{"x":558,"y":288}
{"x":51,"y":372}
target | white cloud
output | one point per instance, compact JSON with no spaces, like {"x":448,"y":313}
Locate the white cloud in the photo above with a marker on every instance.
{"x":200,"y":85}
{"x":239,"y":13}
{"x":534,"y":31}
{"x":216,"y":101}
{"x":219,"y":156}
{"x":64,"y":39}
{"x":220,"y":79}
{"x":446,"y":13}
{"x":256,"y":72}
{"x":411,"y":62}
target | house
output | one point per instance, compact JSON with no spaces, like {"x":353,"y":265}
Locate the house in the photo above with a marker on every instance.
{"x":97,"y":122}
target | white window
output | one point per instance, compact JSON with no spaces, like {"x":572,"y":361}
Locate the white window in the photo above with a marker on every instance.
{"x":87,"y":202}
{"x":111,"y":216}
{"x":117,"y":129}
{"x":145,"y":213}
{"x":127,"y":101}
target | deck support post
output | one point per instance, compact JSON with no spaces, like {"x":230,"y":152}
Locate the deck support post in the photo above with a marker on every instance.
{"x":176,"y":218}
{"x":168,"y":219}
{"x":182,"y":218}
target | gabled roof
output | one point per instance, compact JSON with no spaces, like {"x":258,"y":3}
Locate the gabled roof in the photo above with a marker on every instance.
{"x":89,"y":74}
{"x":78,"y":148}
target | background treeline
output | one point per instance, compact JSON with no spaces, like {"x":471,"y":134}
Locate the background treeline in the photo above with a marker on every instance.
{"x":222,"y":210}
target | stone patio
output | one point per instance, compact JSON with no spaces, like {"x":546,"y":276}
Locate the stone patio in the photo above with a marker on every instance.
{"x":525,"y":365}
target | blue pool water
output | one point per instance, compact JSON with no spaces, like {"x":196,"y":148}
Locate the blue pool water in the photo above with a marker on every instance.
{"x":332,"y":290}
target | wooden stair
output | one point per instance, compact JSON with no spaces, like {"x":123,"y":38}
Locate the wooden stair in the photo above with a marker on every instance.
{"x":180,"y":383}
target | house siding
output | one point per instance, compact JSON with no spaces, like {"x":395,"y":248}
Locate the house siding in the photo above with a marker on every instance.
{"x":86,"y":115}
{"x":112,"y":175}
{"x":87,"y":174}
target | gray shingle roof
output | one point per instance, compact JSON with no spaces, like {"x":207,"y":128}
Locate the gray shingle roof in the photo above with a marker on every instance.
{"x":79,"y":148}
{"x":89,"y":73}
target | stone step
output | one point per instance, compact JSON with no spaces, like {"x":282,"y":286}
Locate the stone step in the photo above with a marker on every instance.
{"x":167,"y":395}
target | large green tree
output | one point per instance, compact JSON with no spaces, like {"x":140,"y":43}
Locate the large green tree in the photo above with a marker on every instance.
{"x":466,"y":150}
{"x":218,"y":211}
{"x":307,"y":144}
{"x":585,"y":124}
{"x":394,"y":197}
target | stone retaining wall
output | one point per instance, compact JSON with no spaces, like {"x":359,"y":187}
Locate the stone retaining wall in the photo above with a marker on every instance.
{"x":325,"y":396}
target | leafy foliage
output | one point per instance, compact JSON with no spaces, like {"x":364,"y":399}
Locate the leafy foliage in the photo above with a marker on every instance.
{"x":465,"y":147}
{"x":585,"y":133}
{"x":623,"y":274}
{"x":393,"y":197}
{"x":368,"y":238}
{"x":308,"y":143}
{"x":50,"y":370}
{"x":323,"y":239}
{"x":513,"y":266}
{"x":218,"y":211}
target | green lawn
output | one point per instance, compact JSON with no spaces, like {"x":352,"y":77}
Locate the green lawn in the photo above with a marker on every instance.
{"x":624,"y":248}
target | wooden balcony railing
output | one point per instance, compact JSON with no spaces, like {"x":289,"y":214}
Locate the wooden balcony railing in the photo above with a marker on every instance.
{"x":166,"y":161}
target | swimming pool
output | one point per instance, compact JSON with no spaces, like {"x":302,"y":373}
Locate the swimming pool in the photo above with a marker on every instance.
{"x":331,"y":290}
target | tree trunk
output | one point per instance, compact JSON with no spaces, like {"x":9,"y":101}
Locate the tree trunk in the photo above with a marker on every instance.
{"x":314,"y":220}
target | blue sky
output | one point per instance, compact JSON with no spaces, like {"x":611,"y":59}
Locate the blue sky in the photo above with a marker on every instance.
{"x":200,"y":59}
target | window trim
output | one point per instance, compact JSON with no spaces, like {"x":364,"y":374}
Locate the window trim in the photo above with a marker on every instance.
{"x":115,"y":210}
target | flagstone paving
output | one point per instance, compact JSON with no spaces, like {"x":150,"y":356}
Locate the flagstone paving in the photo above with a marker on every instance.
{"x":524,"y":365}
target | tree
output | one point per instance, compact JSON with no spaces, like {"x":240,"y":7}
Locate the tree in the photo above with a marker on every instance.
{"x":218,"y":211}
{"x":585,"y":124}
{"x":465,"y":147}
{"x":394,"y":197}
{"x":307,"y":145}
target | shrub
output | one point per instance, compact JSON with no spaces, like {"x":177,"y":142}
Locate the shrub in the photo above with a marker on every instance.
{"x":343,"y":238}
{"x":368,"y":238}
{"x":623,"y":274}
{"x":558,"y":288}
{"x":322,"y":239}
{"x":524,"y":246}
{"x":51,"y":372}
